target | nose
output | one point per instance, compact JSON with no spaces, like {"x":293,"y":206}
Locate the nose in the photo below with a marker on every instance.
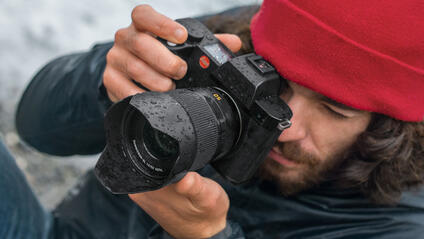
{"x":298,"y":130}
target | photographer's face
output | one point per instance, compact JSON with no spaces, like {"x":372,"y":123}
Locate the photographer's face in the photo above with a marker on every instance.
{"x":321,"y":134}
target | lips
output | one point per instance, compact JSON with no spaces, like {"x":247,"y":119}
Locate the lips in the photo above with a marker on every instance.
{"x":277,"y":156}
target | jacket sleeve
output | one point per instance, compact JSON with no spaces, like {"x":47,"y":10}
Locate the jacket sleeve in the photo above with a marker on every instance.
{"x":61,"y":111}
{"x":231,"y":231}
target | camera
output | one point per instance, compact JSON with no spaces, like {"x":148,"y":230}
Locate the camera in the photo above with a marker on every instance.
{"x":226,"y":111}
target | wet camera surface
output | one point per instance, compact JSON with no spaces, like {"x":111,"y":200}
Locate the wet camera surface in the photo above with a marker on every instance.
{"x":226,"y":111}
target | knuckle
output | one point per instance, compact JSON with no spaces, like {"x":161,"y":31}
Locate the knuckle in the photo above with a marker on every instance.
{"x":120,"y":35}
{"x":185,"y":184}
{"x":173,"y":65}
{"x":216,"y":202}
{"x":106,"y":78}
{"x":110,"y":56}
{"x":140,"y":10}
{"x":211,"y":203}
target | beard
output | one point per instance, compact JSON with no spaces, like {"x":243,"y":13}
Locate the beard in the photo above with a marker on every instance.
{"x":309,"y":171}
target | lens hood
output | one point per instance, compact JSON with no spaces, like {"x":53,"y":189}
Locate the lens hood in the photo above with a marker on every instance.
{"x":154,"y":138}
{"x":120,"y":168}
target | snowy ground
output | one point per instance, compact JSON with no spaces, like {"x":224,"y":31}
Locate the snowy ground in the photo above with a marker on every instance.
{"x":34,"y":32}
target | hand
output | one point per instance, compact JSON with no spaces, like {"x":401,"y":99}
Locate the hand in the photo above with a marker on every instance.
{"x":137,"y":55}
{"x":194,"y":207}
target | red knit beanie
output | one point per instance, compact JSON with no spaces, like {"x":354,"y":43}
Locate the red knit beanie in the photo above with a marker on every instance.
{"x":367,"y":54}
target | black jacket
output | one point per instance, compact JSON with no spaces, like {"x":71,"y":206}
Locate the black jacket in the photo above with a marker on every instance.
{"x":61,"y":113}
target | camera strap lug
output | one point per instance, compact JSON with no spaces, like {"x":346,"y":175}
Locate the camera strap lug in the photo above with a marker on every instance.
{"x":284,"y":124}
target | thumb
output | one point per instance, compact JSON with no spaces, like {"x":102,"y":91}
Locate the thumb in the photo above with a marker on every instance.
{"x":231,"y":41}
{"x":203,"y":193}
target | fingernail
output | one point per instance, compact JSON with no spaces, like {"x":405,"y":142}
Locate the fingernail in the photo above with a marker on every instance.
{"x":179,"y":34}
{"x":182,"y":71}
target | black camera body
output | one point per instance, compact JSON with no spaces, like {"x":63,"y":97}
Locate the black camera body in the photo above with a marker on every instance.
{"x":226,"y":111}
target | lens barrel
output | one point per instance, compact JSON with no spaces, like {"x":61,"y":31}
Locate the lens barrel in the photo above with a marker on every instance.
{"x":165,"y":135}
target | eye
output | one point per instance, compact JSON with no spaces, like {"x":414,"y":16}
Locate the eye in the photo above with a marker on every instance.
{"x":334,"y":113}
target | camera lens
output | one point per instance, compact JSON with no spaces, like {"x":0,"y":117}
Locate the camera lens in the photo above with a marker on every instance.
{"x":153,"y":152}
{"x":156,"y":129}
{"x":160,"y":145}
{"x":155,"y":137}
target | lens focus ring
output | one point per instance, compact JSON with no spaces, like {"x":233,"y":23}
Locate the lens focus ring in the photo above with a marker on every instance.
{"x":204,"y":123}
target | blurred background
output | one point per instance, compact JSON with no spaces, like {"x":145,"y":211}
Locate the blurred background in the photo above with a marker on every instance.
{"x":35,"y":32}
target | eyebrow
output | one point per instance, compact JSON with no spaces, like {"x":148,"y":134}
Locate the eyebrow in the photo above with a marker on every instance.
{"x":338,"y":105}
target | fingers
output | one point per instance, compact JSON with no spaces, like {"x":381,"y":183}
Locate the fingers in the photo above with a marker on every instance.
{"x":147,"y":19}
{"x":231,"y":41}
{"x":156,"y":55}
{"x":189,"y":185}
{"x":138,"y":56}
{"x":139,"y":71}
{"x":119,"y":86}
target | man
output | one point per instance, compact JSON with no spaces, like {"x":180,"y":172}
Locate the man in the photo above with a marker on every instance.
{"x":355,"y":77}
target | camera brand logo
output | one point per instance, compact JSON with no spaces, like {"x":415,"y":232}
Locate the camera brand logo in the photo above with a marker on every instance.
{"x":204,"y":62}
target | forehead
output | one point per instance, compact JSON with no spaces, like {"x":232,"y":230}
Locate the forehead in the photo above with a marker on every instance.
{"x":317,"y":96}
{"x":337,"y":104}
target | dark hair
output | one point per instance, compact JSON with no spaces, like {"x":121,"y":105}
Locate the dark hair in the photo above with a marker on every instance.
{"x":386,"y":159}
